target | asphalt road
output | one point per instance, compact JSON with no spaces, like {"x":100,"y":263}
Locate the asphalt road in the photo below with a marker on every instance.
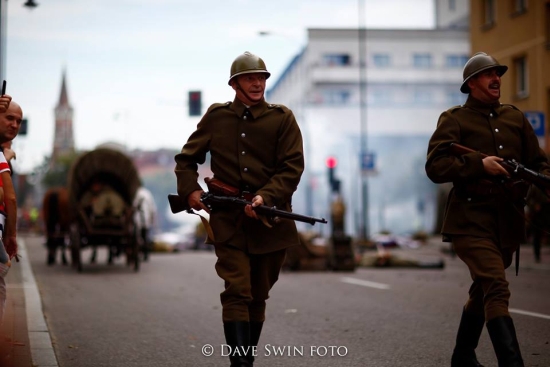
{"x":169,"y":312}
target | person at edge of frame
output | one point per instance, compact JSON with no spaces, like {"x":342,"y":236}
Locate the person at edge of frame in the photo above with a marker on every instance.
{"x":11,"y":116}
{"x":539,"y":219}
{"x":483,"y":220}
{"x":256,"y":147}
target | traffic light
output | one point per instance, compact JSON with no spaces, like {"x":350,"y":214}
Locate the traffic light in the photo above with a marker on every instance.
{"x":333,"y":182}
{"x":24,"y":126}
{"x":195,"y":103}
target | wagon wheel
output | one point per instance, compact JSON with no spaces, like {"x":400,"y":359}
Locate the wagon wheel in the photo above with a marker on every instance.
{"x":76,"y":259}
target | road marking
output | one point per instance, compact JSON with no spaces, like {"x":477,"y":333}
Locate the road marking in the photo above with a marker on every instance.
{"x":365,"y":283}
{"x":529,"y":313}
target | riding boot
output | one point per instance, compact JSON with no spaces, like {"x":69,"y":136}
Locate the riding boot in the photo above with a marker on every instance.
{"x":255,"y":331}
{"x":505,"y":342}
{"x":237,"y":336}
{"x":467,"y":337}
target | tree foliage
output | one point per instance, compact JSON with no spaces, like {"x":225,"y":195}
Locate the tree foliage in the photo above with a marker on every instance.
{"x":57,"y":172}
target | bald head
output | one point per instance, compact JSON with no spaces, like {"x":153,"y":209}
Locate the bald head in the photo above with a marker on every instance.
{"x":10,"y":122}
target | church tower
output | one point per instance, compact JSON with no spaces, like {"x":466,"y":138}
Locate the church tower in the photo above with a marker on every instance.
{"x":63,"y":138}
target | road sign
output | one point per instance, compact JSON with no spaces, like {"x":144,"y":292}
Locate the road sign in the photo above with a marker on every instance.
{"x":368,"y":161}
{"x":536,"y":118}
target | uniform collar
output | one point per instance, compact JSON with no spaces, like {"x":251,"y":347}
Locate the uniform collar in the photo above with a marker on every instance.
{"x":485,"y":108}
{"x":256,"y":111}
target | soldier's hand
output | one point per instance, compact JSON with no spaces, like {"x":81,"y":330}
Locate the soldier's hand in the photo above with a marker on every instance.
{"x":194,"y":201}
{"x":4,"y":103}
{"x":257,"y":200}
{"x":492,"y":166}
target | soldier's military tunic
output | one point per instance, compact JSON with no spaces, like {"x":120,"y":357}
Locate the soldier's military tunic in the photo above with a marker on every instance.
{"x":259,"y":150}
{"x":485,"y":228}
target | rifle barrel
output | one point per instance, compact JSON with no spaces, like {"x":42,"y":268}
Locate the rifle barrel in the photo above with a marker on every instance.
{"x":209,"y":199}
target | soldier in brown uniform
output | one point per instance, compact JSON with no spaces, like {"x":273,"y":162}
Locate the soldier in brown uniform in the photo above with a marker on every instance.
{"x":256,"y":147}
{"x":483,"y":220}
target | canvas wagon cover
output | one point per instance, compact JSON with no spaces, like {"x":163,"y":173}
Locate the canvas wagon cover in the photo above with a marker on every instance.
{"x":109,"y":166}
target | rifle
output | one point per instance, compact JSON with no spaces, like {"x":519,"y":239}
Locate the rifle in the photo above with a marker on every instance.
{"x":213,"y":202}
{"x":514,"y":168}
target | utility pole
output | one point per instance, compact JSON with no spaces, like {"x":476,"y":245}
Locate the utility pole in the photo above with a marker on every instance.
{"x":3,"y":30}
{"x":362,"y":40}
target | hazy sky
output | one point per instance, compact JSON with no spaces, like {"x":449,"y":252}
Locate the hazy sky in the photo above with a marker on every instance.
{"x":130,"y":63}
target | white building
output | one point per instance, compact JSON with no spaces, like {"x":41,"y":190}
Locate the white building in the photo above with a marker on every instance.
{"x":410,"y":77}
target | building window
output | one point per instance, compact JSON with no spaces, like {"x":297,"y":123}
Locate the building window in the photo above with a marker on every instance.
{"x":522,"y":74}
{"x":422,"y":60}
{"x":335,"y":96}
{"x":336,"y":59}
{"x":488,"y":12}
{"x":456,"y":98}
{"x":381,"y":60}
{"x":452,"y":5}
{"x":455,"y":61}
{"x":518,"y":7}
{"x":380,"y":96}
{"x":422,"y":97}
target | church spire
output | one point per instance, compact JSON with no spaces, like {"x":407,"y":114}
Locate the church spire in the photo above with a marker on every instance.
{"x":63,"y":143}
{"x":64,"y":96}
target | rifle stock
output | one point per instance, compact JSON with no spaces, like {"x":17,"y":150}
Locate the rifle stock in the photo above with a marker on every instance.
{"x":514,"y":168}
{"x":177,"y":203}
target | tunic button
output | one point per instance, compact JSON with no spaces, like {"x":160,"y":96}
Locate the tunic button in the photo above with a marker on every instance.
{"x":245,"y":169}
{"x":469,"y":199}
{"x":244,"y":117}
{"x":243,"y":135}
{"x":243,"y":152}
{"x":496,"y":130}
{"x":500,"y":147}
{"x":490,"y":115}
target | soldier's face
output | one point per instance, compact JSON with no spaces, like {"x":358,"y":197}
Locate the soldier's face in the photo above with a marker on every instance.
{"x":485,"y":86}
{"x":252,"y":87}
{"x":10,"y":122}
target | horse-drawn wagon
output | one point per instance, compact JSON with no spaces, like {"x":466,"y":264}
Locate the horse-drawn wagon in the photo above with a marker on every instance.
{"x":102,"y":185}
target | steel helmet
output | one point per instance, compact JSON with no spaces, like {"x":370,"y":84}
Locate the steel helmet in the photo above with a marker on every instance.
{"x":478,"y":63}
{"x":247,"y":63}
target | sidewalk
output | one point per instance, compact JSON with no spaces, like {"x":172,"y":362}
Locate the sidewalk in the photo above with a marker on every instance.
{"x":24,"y":336}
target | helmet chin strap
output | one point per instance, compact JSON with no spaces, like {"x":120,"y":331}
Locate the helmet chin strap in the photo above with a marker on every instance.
{"x":246,"y":94}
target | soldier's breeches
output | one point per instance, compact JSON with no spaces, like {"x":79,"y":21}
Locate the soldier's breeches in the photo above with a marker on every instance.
{"x":248,"y":279}
{"x":489,"y":293}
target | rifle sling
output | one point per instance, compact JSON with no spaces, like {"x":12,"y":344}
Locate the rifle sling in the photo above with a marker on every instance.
{"x":206,"y":225}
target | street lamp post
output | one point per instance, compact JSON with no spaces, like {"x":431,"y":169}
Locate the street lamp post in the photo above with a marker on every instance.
{"x":362,"y":35}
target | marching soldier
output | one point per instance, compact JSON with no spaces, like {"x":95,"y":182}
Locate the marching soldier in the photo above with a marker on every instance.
{"x":255,"y":147}
{"x":483,"y":220}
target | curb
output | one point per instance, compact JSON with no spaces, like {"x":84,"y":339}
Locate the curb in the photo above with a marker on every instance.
{"x":42,"y":352}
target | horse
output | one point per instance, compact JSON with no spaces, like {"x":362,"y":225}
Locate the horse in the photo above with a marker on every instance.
{"x":57,"y":221}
